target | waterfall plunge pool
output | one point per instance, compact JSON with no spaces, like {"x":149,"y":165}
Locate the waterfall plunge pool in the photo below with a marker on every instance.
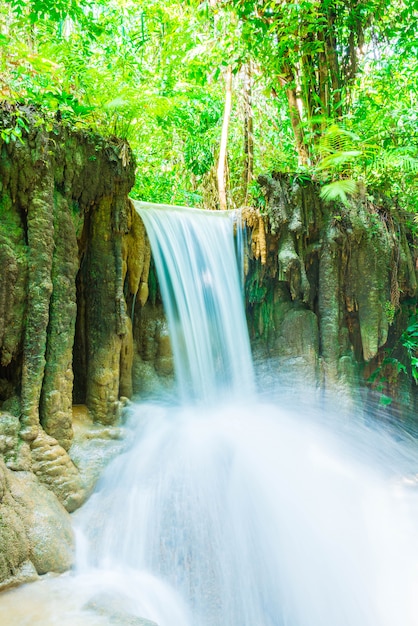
{"x":240,"y":515}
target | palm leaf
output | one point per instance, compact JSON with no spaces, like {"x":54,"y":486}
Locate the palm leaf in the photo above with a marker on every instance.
{"x":338,"y":190}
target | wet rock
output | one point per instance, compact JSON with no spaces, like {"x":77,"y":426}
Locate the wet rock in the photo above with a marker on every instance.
{"x":57,"y":386}
{"x":35,"y":530}
{"x":13,"y":284}
{"x":346,"y":265}
{"x":9,"y":432}
{"x":14,"y":543}
{"x":136,"y":257}
{"x":153,"y":367}
{"x":116,"y":609}
{"x":47,"y":524}
{"x":54,"y":468}
{"x":126,"y":362}
{"x":25,"y":573}
{"x":64,"y":216}
{"x":299,"y":340}
{"x":40,"y":235}
{"x":93,"y":446}
{"x":72,"y":248}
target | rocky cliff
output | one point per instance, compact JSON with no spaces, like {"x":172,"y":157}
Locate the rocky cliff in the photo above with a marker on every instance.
{"x":332,"y":287}
{"x":72,"y":252}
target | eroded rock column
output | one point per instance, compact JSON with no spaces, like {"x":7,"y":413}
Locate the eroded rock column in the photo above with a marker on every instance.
{"x":40,"y":235}
{"x":57,"y":389}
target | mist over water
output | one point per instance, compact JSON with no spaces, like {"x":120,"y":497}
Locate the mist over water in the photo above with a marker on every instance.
{"x":256,"y":515}
{"x":235,"y":509}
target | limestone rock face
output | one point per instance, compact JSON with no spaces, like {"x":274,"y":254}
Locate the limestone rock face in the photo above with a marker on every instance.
{"x":74,"y":259}
{"x":153,"y":368}
{"x":9,"y":435}
{"x":93,"y":446}
{"x":13,"y":286}
{"x":47,"y":524}
{"x":15,"y":549}
{"x":332,"y":275}
{"x":35,"y":529}
{"x":69,"y":240}
{"x":55,"y":469}
{"x":57,"y":385}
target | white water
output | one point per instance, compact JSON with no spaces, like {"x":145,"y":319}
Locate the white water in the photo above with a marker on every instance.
{"x":255,"y":515}
{"x":194,"y":253}
{"x":243,"y":513}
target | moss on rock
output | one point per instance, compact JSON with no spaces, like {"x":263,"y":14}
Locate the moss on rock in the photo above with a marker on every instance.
{"x":348,"y":266}
{"x":64,"y":216}
{"x":72,"y":249}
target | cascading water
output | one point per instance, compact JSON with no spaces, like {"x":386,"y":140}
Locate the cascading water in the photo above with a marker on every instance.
{"x":250,"y":515}
{"x":242,"y":512}
{"x":196,"y":263}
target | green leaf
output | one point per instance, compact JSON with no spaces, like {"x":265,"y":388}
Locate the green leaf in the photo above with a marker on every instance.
{"x":385,"y":400}
{"x":338,"y":190}
{"x":337,"y":159}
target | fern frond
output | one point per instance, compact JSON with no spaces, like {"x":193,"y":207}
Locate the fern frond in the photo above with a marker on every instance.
{"x":336,"y":159}
{"x":337,"y":139}
{"x":402,"y":159}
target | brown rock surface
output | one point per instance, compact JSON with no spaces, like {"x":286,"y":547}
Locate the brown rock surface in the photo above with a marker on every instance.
{"x":64,"y":329}
{"x":35,"y":529}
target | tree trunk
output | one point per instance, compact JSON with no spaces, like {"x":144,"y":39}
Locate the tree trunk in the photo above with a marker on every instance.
{"x":323,"y":80}
{"x":224,"y":140}
{"x":333,"y":66}
{"x":296,"y":122}
{"x":248,"y":132}
{"x":288,"y":82}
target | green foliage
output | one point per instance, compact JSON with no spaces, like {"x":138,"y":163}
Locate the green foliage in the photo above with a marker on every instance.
{"x":402,"y":359}
{"x":55,"y":10}
{"x":151,"y":72}
{"x":256,"y":290}
{"x":390,"y":311}
{"x":348,"y":159}
{"x":258,"y":198}
{"x":353,"y":68}
{"x":385,"y":377}
{"x":409,"y":340}
{"x":385,"y":400}
{"x":338,"y":190}
{"x":13,"y":131}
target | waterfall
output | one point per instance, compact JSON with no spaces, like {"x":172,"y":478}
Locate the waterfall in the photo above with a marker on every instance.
{"x":244,"y":513}
{"x":228,"y":509}
{"x":194,"y":253}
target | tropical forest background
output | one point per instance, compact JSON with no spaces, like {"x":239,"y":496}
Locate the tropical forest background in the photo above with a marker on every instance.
{"x":211,"y":94}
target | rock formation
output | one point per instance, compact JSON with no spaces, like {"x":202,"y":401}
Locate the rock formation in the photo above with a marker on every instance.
{"x":72,"y":250}
{"x":336,"y":286}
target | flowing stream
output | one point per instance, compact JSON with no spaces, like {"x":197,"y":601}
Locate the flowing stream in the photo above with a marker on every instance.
{"x":230,"y":508}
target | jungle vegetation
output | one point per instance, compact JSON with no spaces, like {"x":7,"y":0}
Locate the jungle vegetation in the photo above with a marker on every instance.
{"x":212,"y":93}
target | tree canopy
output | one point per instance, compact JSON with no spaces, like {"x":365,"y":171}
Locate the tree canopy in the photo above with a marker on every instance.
{"x":319,"y":88}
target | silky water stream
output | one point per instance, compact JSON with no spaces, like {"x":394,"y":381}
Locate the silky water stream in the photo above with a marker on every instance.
{"x":230,"y":508}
